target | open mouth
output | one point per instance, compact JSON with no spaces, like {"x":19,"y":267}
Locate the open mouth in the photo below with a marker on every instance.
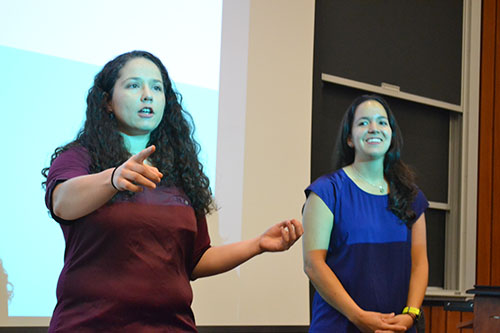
{"x":374,"y":140}
{"x":146,"y":111}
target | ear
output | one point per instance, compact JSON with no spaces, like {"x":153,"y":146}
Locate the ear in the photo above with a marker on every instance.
{"x":109,"y":107}
{"x":349,"y":142}
{"x":107,"y":103}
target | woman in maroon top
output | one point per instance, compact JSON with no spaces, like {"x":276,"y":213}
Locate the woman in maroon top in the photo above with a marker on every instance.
{"x":131,"y":198}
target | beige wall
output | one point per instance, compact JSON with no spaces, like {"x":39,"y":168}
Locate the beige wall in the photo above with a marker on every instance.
{"x":263,"y":162}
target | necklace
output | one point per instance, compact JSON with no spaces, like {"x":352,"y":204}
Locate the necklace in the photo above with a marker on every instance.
{"x":381,"y":188}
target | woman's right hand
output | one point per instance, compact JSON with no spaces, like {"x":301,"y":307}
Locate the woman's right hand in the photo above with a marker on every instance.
{"x":369,"y":321}
{"x":80,"y":196}
{"x":133,"y":174}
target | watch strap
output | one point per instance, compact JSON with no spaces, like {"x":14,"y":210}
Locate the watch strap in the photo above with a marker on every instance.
{"x":412,"y":311}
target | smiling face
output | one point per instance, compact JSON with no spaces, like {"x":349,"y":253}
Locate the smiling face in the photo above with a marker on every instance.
{"x":138,"y":99}
{"x":371,"y":133}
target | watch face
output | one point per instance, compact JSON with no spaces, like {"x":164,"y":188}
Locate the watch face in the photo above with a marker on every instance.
{"x":418,"y":315}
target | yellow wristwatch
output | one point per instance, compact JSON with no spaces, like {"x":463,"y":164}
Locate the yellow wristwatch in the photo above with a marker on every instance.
{"x":413,"y":311}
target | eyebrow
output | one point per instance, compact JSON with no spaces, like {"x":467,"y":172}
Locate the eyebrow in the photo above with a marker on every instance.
{"x":383,"y":117}
{"x":141,"y":79}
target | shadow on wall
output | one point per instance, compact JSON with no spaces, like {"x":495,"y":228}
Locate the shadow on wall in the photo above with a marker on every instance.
{"x":6,"y":292}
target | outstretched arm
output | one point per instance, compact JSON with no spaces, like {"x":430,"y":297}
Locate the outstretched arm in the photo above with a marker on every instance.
{"x":82,"y":195}
{"x":318,"y":225}
{"x":219,"y":259}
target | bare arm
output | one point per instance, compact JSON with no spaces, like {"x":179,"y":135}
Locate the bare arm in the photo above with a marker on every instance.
{"x":82,"y":195}
{"x":419,"y":272}
{"x":219,"y":259}
{"x":419,"y":264}
{"x":318,"y":225}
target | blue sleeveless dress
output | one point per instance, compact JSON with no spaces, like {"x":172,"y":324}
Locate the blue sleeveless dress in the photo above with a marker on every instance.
{"x":369,"y":251}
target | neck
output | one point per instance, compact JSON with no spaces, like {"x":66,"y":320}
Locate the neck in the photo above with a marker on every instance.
{"x":370,"y":170}
{"x":134,"y":144}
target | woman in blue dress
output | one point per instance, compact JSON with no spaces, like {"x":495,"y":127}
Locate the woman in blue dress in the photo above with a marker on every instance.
{"x":365,"y":239}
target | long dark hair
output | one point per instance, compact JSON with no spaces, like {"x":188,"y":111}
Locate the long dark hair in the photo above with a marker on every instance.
{"x":176,"y":154}
{"x":400,"y":177}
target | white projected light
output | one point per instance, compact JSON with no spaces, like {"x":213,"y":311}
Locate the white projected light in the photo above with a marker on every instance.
{"x":50,"y":52}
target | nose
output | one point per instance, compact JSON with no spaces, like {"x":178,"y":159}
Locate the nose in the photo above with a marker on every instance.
{"x":373,"y":127}
{"x":147,"y":96}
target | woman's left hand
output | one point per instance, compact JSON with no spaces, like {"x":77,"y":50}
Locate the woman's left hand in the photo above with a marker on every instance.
{"x":281,"y":236}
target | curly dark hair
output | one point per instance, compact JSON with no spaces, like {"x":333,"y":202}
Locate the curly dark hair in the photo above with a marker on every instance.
{"x":176,"y":154}
{"x":400,"y":177}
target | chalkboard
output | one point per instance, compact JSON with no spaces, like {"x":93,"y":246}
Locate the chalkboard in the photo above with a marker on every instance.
{"x":416,"y":45}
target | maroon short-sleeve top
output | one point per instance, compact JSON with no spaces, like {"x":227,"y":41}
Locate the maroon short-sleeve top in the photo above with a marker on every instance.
{"x":127,"y":265}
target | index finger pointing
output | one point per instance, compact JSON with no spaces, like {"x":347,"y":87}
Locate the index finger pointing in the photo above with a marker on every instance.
{"x":144,"y":154}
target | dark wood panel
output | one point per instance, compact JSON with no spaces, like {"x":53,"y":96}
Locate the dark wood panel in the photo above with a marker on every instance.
{"x":437,"y":320}
{"x":495,"y":228}
{"x":485,"y":181}
{"x":438,"y":323}
{"x":466,"y":317}
{"x":453,"y":318}
{"x":428,"y":318}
